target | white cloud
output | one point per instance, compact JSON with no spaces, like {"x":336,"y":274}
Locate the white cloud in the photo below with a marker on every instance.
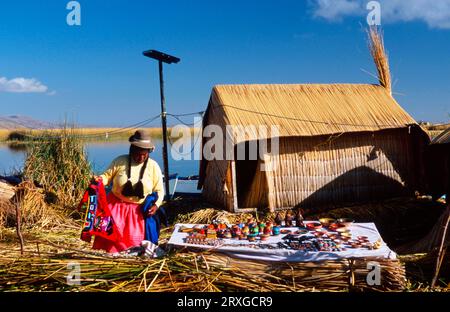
{"x":22,"y":85}
{"x":336,"y":9}
{"x":436,"y":13}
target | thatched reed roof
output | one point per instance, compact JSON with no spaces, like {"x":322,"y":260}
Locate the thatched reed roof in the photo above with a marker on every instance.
{"x":442,"y":138}
{"x":307,"y":109}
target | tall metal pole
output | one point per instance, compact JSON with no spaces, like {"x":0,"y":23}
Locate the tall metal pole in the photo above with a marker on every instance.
{"x":164,"y":129}
{"x":169,"y":59}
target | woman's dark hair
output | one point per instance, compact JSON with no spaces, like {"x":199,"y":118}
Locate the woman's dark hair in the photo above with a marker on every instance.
{"x":138,"y":189}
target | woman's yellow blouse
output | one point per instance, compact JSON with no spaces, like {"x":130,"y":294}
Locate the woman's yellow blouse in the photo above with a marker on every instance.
{"x":117,"y":174}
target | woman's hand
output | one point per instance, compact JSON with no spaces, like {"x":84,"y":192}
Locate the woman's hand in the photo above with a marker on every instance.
{"x":96,"y":178}
{"x":151,"y":211}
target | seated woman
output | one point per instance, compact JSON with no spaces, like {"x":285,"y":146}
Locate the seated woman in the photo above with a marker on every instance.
{"x":133,"y":177}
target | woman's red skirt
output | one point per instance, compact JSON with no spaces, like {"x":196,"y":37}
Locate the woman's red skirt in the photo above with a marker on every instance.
{"x":129,"y":222}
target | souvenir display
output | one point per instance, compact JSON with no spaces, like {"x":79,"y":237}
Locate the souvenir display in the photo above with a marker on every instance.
{"x":327,"y":235}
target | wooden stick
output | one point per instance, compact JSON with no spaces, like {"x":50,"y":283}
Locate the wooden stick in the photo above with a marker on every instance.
{"x":440,"y":256}
{"x":37,"y":246}
{"x":19,"y":233}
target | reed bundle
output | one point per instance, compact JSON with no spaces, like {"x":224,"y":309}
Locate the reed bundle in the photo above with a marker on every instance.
{"x":347,"y":274}
{"x":6,"y":210}
{"x":380,"y":58}
{"x":35,"y":211}
{"x":7,"y":191}
{"x":434,"y":238}
{"x":206,"y":216}
{"x":59,"y":164}
{"x":421,"y":267}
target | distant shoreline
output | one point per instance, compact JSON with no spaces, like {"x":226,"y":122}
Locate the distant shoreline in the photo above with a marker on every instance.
{"x":85,"y":134}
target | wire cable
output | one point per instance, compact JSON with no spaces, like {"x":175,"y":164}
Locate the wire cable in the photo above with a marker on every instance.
{"x":124,"y":129}
{"x":188,"y":114}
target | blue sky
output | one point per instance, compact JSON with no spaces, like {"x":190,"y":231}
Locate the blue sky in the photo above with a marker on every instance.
{"x":95,"y":73}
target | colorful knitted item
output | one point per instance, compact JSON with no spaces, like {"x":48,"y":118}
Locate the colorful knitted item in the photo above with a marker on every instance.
{"x":98,"y":219}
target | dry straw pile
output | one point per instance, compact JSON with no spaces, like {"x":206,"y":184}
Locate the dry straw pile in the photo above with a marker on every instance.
{"x":56,"y":173}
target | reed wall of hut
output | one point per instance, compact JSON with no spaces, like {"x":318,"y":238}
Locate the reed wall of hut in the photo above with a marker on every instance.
{"x":356,"y":167}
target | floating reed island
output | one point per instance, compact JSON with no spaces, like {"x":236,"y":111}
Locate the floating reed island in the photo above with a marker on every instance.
{"x":187,"y":271}
{"x":50,"y":247}
{"x":339,"y":143}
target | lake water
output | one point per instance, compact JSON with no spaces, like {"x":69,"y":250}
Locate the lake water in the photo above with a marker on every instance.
{"x":100,"y":154}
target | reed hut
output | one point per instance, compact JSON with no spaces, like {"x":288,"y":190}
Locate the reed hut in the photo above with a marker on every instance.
{"x":438,"y":165}
{"x":438,"y":175}
{"x":338,"y":143}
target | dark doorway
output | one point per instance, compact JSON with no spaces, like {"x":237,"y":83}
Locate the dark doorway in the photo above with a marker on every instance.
{"x":245,"y":172}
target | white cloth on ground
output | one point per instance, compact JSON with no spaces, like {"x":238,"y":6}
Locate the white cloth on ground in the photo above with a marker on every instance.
{"x":242,"y":249}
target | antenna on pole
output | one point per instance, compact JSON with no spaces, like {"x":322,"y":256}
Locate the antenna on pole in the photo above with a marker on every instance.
{"x":168,"y":59}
